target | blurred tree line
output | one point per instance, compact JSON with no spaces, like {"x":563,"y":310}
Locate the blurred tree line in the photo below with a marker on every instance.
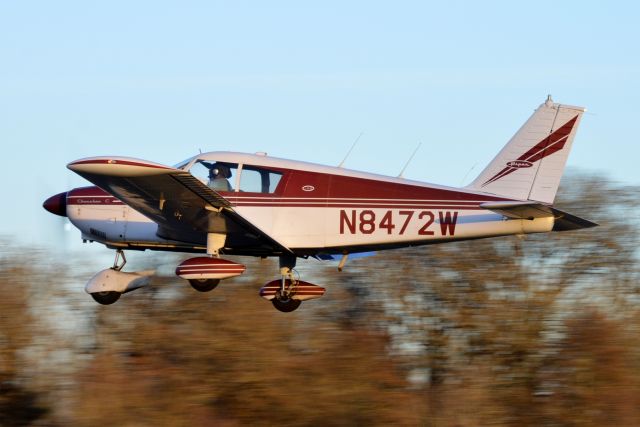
{"x":542,"y":330}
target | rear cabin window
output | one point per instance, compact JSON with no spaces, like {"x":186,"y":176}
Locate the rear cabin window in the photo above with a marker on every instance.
{"x":258,"y":180}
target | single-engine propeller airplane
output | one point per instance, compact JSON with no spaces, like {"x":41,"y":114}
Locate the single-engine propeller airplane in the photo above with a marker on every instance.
{"x":226,"y":203}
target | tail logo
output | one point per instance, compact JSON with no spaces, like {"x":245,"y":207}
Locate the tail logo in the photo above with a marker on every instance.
{"x":551,"y":144}
{"x":519,"y":164}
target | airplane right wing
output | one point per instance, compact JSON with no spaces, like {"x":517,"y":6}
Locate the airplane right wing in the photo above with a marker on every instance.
{"x":184,"y":208}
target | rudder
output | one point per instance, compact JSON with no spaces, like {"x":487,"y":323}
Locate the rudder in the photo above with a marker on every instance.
{"x":530,"y":166}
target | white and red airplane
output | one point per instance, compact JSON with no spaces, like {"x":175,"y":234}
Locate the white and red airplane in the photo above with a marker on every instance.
{"x":225,"y":203}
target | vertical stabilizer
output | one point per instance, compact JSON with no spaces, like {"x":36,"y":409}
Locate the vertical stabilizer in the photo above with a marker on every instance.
{"x":530,"y":166}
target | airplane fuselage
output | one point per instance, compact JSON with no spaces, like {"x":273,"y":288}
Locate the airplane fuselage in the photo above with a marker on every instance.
{"x":315,"y":209}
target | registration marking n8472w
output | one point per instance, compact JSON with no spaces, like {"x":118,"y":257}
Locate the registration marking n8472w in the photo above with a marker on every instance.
{"x":366,"y":221}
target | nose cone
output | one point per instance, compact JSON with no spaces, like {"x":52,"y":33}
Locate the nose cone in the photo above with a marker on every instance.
{"x":57,"y":204}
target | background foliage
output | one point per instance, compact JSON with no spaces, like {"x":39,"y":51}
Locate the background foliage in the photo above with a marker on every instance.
{"x":535,"y":331}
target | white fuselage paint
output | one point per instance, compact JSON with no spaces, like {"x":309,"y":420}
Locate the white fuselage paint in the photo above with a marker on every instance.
{"x":316,"y":227}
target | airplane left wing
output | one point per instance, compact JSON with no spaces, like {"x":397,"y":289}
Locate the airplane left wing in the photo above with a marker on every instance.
{"x":184,"y":208}
{"x":563,"y":221}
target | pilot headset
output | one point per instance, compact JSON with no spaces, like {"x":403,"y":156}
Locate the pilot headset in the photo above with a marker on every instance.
{"x":220,"y":170}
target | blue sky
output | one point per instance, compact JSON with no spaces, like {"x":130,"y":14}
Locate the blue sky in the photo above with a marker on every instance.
{"x":301,"y":80}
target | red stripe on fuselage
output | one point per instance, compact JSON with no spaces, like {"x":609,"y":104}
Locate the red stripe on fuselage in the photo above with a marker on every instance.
{"x":96,"y":196}
{"x":358,"y":206}
{"x":328,"y":187}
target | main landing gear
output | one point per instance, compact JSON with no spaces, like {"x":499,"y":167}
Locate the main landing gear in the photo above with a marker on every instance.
{"x":204,"y":273}
{"x":287,"y":293}
{"x":283,"y":299}
{"x":204,"y":285}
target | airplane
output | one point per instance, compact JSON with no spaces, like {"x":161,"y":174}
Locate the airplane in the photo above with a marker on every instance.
{"x":227,"y":203}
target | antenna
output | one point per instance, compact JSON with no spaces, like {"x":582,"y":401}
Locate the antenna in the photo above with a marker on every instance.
{"x":408,"y":161}
{"x":351,"y":149}
{"x":464,"y":179}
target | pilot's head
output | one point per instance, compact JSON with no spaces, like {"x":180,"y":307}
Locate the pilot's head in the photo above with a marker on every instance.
{"x":218,"y":170}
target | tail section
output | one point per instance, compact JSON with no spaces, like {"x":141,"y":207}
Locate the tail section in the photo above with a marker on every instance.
{"x":530,"y":166}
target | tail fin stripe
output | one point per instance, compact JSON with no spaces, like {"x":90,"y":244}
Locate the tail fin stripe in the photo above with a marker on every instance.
{"x":503,"y":172}
{"x":560,"y":133}
{"x":552,"y":148}
{"x":551,"y":144}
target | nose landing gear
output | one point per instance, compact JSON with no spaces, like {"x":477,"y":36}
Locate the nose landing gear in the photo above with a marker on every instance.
{"x":110,"y":297}
{"x":106,"y":286}
{"x":105,"y":298}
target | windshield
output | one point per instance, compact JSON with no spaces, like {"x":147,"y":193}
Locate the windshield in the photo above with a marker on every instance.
{"x":183,"y":164}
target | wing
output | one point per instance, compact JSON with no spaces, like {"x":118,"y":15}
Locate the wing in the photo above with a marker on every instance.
{"x":564,"y":221}
{"x":184,"y":208}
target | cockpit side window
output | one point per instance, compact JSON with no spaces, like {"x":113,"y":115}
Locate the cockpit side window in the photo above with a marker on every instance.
{"x":219,"y":176}
{"x":254,"y":179}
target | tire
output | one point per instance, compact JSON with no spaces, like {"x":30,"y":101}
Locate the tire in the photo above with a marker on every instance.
{"x":204,"y":285}
{"x":106,"y":298}
{"x":286,"y":305}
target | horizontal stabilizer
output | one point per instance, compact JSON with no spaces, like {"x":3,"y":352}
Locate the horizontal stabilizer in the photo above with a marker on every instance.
{"x":563,"y":221}
{"x":519,"y":210}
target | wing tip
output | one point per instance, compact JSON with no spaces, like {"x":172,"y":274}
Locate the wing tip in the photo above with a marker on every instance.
{"x":119,"y":166}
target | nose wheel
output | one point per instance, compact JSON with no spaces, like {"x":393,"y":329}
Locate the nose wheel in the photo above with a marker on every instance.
{"x":110,"y":297}
{"x":105,"y":298}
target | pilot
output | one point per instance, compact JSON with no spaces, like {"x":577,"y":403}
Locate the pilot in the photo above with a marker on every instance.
{"x":218,"y":177}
